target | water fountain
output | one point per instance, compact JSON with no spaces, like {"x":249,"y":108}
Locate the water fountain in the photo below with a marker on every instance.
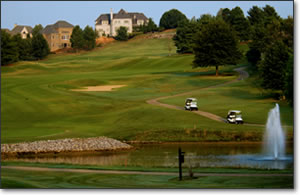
{"x":274,"y":138}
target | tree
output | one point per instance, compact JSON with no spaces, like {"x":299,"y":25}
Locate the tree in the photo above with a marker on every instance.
{"x":270,"y":14}
{"x":24,"y":47}
{"x":273,"y":66}
{"x":216,"y":45}
{"x":150,"y":27}
{"x":237,"y":21}
{"x":171,"y":19}
{"x":40,"y":48}
{"x":256,"y":15}
{"x":9,"y":49}
{"x":240,"y":24}
{"x":185,"y":36}
{"x":37,"y":29}
{"x":287,"y":29}
{"x":253,"y":56}
{"x":289,"y":80}
{"x":77,"y":40}
{"x":89,"y":37}
{"x":122,"y":34}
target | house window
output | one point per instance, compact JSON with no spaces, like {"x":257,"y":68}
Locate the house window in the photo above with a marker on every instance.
{"x":53,"y":37}
{"x":65,"y":37}
{"x":126,"y":21}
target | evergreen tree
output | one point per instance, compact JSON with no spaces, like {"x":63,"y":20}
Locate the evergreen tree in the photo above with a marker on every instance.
{"x":77,"y":40}
{"x":171,"y":19}
{"x":185,"y":36}
{"x":215,"y":45}
{"x":273,"y":66}
{"x":24,"y":47}
{"x":256,"y":16}
{"x":37,"y":29}
{"x":289,"y":81}
{"x":40,"y":48}
{"x":237,"y":21}
{"x":150,"y":27}
{"x":89,"y":37}
{"x":287,"y":29}
{"x":9,"y":49}
{"x":122,"y":34}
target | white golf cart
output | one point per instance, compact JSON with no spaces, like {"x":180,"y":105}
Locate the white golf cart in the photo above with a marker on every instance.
{"x":191,"y":104}
{"x":235,"y":116}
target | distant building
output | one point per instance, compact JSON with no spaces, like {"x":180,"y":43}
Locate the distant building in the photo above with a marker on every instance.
{"x":6,"y":30}
{"x":108,"y":24}
{"x":22,"y":30}
{"x":58,"y":35}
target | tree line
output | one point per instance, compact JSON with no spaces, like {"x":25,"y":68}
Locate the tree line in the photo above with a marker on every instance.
{"x":14,"y":48}
{"x":215,"y":40}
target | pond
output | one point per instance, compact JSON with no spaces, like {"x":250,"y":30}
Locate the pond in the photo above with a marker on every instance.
{"x":244,"y":155}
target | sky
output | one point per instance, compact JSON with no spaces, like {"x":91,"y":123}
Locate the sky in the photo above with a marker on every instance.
{"x":85,"y":13}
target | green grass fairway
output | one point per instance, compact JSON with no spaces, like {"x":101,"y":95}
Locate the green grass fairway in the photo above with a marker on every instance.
{"x":37,"y":102}
{"x":37,"y":179}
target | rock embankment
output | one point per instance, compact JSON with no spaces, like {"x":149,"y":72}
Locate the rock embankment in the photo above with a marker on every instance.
{"x":64,"y":145}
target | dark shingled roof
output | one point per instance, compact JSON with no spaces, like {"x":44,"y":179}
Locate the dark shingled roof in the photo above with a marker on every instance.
{"x":53,"y":27}
{"x":6,"y":30}
{"x":122,"y":14}
{"x":18,"y":29}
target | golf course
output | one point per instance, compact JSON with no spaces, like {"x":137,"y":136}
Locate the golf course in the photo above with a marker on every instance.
{"x":134,"y":92}
{"x":44,"y":99}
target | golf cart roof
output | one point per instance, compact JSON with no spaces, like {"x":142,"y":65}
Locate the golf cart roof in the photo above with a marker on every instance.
{"x":235,"y":111}
{"x":193,"y":99}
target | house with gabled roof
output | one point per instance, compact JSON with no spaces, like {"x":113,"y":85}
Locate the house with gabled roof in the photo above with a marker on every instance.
{"x":58,"y":35}
{"x":108,"y":24}
{"x":24,"y":31}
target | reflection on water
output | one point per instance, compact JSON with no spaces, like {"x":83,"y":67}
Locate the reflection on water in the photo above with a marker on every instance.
{"x":165,"y":155}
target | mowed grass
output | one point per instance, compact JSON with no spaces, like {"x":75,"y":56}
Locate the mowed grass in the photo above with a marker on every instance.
{"x":36,"y":179}
{"x":37,"y":102}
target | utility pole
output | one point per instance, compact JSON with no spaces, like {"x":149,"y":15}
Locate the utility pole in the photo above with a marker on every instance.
{"x":180,"y":160}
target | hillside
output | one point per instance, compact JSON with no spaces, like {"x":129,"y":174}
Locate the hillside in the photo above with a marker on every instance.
{"x":39,"y":101}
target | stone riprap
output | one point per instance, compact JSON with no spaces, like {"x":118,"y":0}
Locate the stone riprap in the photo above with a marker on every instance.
{"x":65,"y":145}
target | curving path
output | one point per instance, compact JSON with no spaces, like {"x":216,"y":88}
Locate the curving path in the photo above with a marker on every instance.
{"x":242,"y":75}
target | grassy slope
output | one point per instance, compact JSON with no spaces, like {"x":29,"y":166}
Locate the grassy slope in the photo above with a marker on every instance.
{"x":37,"y":103}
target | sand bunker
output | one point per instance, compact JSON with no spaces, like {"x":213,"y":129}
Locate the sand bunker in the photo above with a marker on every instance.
{"x":99,"y":88}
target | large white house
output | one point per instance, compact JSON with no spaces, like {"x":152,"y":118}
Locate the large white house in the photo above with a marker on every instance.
{"x":108,"y":24}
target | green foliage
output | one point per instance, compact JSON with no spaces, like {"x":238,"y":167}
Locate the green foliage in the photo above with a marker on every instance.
{"x":37,"y":29}
{"x":83,"y":39}
{"x":238,"y":22}
{"x":185,"y":36}
{"x":287,"y":29}
{"x":289,"y":81}
{"x":253,"y":56}
{"x":9,"y":49}
{"x":171,"y":19}
{"x":273,"y":66}
{"x":216,"y":45}
{"x":40,"y":48}
{"x":89,"y":36}
{"x":122,"y":34}
{"x":145,"y":28}
{"x":256,"y":15}
{"x":24,"y":47}
{"x":77,"y":40}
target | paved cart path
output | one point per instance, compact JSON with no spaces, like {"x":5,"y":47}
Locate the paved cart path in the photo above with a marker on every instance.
{"x":25,"y":168}
{"x":242,"y":75}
